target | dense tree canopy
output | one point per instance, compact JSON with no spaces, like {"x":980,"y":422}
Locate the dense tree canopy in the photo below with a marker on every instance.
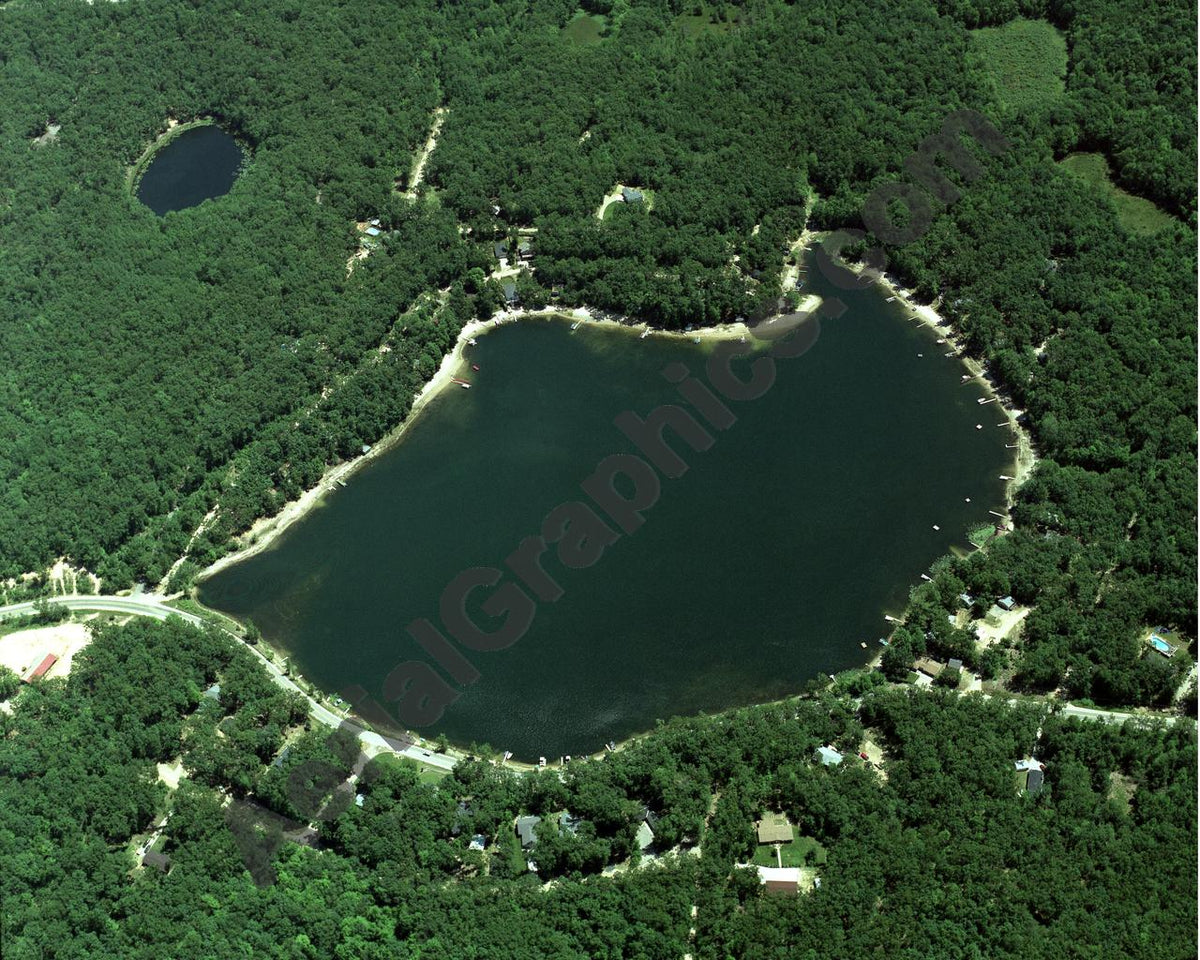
{"x":937,"y":852}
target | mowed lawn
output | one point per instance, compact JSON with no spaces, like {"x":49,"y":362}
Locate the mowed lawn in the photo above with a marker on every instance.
{"x":1136,"y":214}
{"x":792,"y":854}
{"x":1026,"y":61}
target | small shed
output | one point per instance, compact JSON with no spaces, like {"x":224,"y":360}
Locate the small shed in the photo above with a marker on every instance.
{"x":527,"y":831}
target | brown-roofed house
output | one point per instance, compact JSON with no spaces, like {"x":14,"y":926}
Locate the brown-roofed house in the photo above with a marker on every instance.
{"x":774,"y":828}
{"x":929,"y":667}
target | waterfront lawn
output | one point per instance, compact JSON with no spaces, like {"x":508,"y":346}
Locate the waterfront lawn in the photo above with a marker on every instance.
{"x":1136,"y":214}
{"x":1025,"y":60}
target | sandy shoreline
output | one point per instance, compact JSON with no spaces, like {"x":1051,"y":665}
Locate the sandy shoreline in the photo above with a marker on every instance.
{"x":1024,"y":455}
{"x":266,"y":530}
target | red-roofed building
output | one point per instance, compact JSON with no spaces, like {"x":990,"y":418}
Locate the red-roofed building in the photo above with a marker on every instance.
{"x":40,"y":670}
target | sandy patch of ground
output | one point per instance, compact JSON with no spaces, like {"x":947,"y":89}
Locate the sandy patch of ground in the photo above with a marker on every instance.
{"x":1006,"y":623}
{"x":25,"y":649}
{"x":875,"y":756}
{"x":169,"y":773}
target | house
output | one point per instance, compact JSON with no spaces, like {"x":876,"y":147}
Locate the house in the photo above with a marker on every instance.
{"x":39,"y":671}
{"x":213,"y":692}
{"x":645,"y":836}
{"x":568,"y":823}
{"x":966,"y":598}
{"x":1034,"y":781}
{"x":510,"y":295}
{"x":524,"y":248}
{"x":774,"y":827}
{"x":780,"y":880}
{"x":478,"y":842}
{"x":158,"y":860}
{"x":928,"y":667}
{"x":829,"y":757}
{"x":1006,"y":603}
{"x":527,"y":831}
{"x":500,"y":250}
{"x":1034,"y":771}
{"x":954,"y":664}
{"x":372,"y":231}
{"x":631,"y":195}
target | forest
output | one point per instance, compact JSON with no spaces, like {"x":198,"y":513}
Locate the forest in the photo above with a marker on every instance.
{"x":933,"y":851}
{"x":166,"y":381}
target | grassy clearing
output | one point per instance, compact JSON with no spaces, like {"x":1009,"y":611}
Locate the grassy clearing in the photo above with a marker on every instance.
{"x":1136,"y":214}
{"x":585,"y":28}
{"x":1025,"y":60}
{"x":703,"y":19}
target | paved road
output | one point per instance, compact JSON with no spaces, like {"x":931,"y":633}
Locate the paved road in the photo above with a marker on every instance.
{"x":149,"y":605}
{"x":1116,"y":716}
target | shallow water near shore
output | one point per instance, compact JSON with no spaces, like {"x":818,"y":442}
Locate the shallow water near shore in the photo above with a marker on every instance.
{"x":767,"y":563}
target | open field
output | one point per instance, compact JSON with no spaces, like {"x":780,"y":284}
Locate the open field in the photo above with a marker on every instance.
{"x":1026,"y":61}
{"x":1136,"y":214}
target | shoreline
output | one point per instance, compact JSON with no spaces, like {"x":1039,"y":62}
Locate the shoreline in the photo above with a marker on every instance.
{"x":1024,"y":456}
{"x":263,"y":533}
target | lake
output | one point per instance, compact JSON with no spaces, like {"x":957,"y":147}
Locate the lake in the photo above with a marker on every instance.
{"x":197,"y":165}
{"x":764,"y":565}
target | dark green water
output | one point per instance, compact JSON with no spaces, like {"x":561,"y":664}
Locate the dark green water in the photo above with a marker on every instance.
{"x":762,"y":566}
{"x":195,"y":166}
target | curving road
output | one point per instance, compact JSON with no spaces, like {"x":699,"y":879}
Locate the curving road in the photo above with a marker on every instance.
{"x":149,"y":605}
